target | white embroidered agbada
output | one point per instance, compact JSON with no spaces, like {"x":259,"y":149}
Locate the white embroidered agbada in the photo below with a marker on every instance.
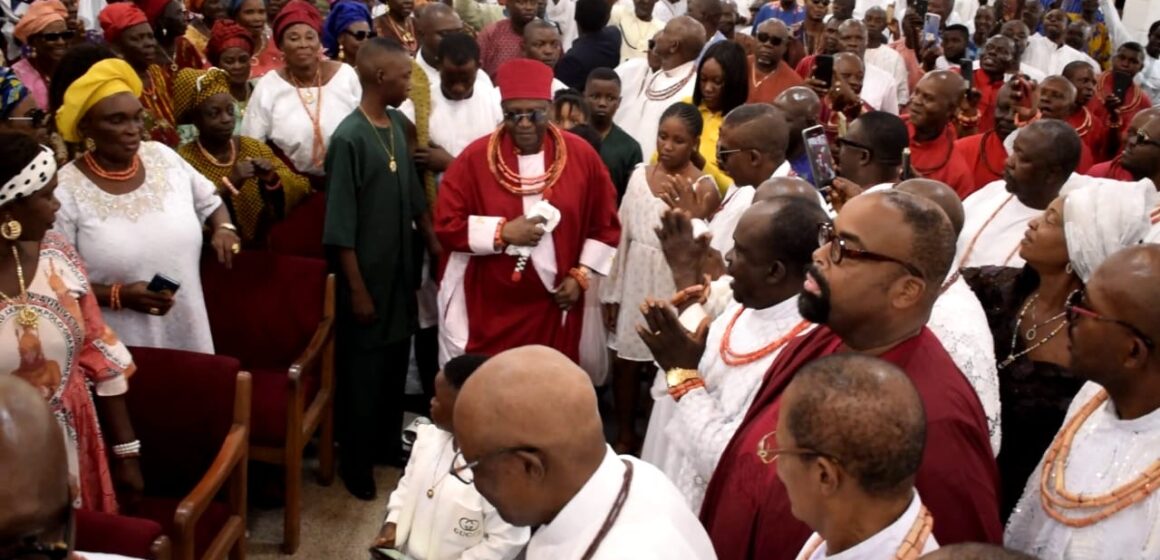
{"x":880,"y":90}
{"x":998,"y":243}
{"x":664,"y":10}
{"x":640,"y":116}
{"x":634,"y":33}
{"x":457,"y":523}
{"x":435,"y":80}
{"x":887,"y":59}
{"x":959,"y":322}
{"x":454,"y":124}
{"x":654,"y":522}
{"x":881,"y":545}
{"x":1107,"y":452}
{"x":1050,"y":58}
{"x":703,"y":421}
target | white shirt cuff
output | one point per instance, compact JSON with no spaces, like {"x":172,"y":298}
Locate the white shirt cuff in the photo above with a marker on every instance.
{"x":597,"y":256}
{"x":481,"y":234}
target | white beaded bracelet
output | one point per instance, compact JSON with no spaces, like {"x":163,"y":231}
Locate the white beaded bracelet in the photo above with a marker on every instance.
{"x":129,"y":449}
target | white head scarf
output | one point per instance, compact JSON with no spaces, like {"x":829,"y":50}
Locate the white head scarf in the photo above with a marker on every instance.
{"x":1104,"y":217}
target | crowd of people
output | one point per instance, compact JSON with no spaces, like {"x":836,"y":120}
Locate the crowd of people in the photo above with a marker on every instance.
{"x":875,"y":278}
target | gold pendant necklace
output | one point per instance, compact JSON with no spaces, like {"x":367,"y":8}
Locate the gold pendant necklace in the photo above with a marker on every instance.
{"x":390,"y":151}
{"x":435,"y":484}
{"x":26,"y":316}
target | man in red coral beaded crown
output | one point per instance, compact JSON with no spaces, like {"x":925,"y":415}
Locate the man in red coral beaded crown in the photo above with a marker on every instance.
{"x":526,"y":214}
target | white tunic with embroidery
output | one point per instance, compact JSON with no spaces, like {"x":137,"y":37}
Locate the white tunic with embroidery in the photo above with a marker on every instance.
{"x":155,"y":229}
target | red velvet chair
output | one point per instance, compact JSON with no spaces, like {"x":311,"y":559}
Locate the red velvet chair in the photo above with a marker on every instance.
{"x":192,"y":414}
{"x":118,"y":534}
{"x":300,"y":232}
{"x":275,"y":314}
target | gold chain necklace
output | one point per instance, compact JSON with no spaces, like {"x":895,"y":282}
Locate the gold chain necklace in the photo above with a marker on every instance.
{"x":438,"y":481}
{"x":1031,"y":332}
{"x":26,"y":317}
{"x":390,"y":151}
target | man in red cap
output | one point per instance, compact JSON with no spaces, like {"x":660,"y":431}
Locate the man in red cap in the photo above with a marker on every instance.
{"x":524,"y":215}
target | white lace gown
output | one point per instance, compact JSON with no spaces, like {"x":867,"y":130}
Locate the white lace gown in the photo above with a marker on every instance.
{"x":129,"y":238}
{"x":1107,"y":453}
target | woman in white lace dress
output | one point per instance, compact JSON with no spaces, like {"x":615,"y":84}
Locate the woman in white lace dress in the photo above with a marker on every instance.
{"x":640,"y":270}
{"x":134,"y":210}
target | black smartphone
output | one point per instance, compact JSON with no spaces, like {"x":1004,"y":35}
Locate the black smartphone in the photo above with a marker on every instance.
{"x":386,"y":554}
{"x":1120,"y":84}
{"x":967,"y":69}
{"x":161,"y":283}
{"x":824,"y":69}
{"x":821,"y":159}
{"x":907,"y":172}
{"x":920,"y":7}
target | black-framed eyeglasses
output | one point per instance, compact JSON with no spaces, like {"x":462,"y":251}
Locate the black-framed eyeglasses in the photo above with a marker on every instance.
{"x":465,"y":472}
{"x":770,"y":39}
{"x":855,"y":145}
{"x":535,"y":116}
{"x":1074,"y":310}
{"x":34,"y":117}
{"x":724,"y":153}
{"x":362,"y":34}
{"x":1142,"y":137}
{"x":769,"y":454}
{"x":839,"y":250}
{"x":58,"y":36}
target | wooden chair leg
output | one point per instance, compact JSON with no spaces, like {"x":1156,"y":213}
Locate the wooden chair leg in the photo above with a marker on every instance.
{"x":292,"y":519}
{"x":326,"y":447}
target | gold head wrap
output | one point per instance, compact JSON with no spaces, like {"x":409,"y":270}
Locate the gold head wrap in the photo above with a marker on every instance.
{"x":191,"y":87}
{"x":103,"y":80}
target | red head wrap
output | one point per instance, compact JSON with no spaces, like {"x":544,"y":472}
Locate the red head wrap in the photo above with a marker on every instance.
{"x":294,"y":13}
{"x":118,"y":17}
{"x":524,"y":78}
{"x":226,"y":34}
{"x":152,"y":8}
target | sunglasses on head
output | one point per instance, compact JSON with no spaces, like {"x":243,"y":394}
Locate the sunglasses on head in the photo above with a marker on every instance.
{"x":362,"y":35}
{"x":58,"y":36}
{"x":536,"y":116}
{"x":769,"y":39}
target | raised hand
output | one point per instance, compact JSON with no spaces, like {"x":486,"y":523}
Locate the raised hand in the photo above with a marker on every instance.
{"x":671,"y":345}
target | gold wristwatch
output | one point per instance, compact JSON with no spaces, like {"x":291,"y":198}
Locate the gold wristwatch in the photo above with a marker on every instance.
{"x":676,"y":376}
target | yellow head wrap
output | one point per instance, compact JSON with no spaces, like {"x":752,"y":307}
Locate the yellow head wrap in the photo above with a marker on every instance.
{"x":104,"y":79}
{"x":192,"y":87}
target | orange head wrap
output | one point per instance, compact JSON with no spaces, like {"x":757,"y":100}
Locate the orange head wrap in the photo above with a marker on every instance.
{"x":40,"y":15}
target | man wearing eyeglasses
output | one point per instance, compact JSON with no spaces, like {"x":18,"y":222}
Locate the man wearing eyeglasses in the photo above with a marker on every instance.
{"x":37,"y":520}
{"x":1141,"y":158}
{"x":527,"y":213}
{"x":1114,"y":168}
{"x":769,"y":73}
{"x":871,"y":288}
{"x":1098,"y":501}
{"x":851,"y":436}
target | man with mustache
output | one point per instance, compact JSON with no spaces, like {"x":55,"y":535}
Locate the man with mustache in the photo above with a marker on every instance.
{"x":1056,"y":100}
{"x":871,"y":289}
{"x":769,"y":73}
{"x":985,"y":152}
{"x":1090,"y":130}
{"x":935,"y":102}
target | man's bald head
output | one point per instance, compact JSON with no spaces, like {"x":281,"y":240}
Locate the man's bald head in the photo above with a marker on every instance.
{"x":684,"y":39}
{"x":760,"y":126}
{"x":1016,"y":31}
{"x":976,"y":551}
{"x":35,"y":486}
{"x":936,"y":100}
{"x":1140,"y":159}
{"x":1049,"y":151}
{"x":801,"y":107}
{"x":530,"y":416}
{"x":863,"y":413}
{"x":1056,"y":97}
{"x":940,"y":194}
{"x":793,"y":187}
{"x":432,"y":21}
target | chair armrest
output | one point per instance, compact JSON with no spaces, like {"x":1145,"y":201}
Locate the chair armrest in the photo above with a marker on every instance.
{"x":162,"y":548}
{"x":233,"y":452}
{"x":309,"y":359}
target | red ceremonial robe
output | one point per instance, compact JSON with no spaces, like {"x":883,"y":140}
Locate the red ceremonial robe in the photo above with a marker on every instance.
{"x":989,"y":89}
{"x":937,"y":159}
{"x":480,"y":304}
{"x":747,"y":511}
{"x":1110,"y":170}
{"x":1134,"y":102}
{"x":1092,"y":131}
{"x":986,"y":156}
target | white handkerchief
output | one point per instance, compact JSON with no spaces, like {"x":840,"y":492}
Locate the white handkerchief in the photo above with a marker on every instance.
{"x":545,"y":210}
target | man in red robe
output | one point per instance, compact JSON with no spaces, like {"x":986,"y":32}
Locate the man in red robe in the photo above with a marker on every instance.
{"x":1111,"y":110}
{"x":1056,"y":101}
{"x":985,"y":152}
{"x":1141,"y":159}
{"x":934,"y":103}
{"x":874,"y":301}
{"x":525,"y":214}
{"x":768,"y":72}
{"x":1092,"y":131}
{"x":995,"y":61}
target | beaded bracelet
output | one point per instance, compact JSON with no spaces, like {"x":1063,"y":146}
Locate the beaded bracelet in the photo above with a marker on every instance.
{"x":580,"y":274}
{"x":683,"y":389}
{"x":498,"y":241}
{"x":115,"y":297}
{"x":128,"y":449}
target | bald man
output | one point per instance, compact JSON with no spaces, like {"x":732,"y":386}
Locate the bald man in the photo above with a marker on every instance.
{"x":713,"y":368}
{"x":1110,"y":438}
{"x":1143,"y":163}
{"x":647,"y":95}
{"x":528,"y":427}
{"x":881,"y":89}
{"x":433,"y":21}
{"x":801,"y":107}
{"x":861,"y":428}
{"x":1057,"y":101}
{"x":1018,"y":32}
{"x":786,"y":186}
{"x":750,"y":149}
{"x":38,"y":508}
{"x":770,"y":74}
{"x":1047,"y":52}
{"x":877,"y":307}
{"x":934,"y":104}
{"x":1091,"y":130}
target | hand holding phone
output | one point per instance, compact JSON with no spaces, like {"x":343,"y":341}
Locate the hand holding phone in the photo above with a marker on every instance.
{"x":820,"y":158}
{"x":824,"y":69}
{"x":162,"y":283}
{"x":967,"y":70}
{"x":907,"y":172}
{"x":1120,"y":84}
{"x":931,"y":29}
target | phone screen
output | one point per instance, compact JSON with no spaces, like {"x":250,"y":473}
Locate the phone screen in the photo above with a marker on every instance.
{"x":824,"y":69}
{"x":931,"y":27}
{"x":907,"y":173}
{"x":967,"y":69}
{"x":387,"y":554}
{"x":821,"y":159}
{"x":1120,"y":84}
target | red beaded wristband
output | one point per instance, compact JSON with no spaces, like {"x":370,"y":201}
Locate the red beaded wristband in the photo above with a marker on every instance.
{"x":498,"y":241}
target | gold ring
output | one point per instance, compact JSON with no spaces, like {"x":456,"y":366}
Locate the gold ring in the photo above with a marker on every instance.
{"x":154,"y":311}
{"x":236,"y":248}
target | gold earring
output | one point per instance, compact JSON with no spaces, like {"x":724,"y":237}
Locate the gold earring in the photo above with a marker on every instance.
{"x":11,"y":230}
{"x":341,"y":54}
{"x":90,"y":144}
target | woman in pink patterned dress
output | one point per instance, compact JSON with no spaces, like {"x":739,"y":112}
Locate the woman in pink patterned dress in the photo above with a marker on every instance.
{"x":52,"y":334}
